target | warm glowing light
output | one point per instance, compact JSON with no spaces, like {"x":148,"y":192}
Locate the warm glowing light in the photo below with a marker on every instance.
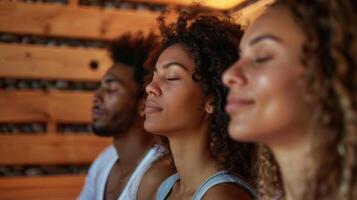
{"x":221,"y":4}
{"x":248,"y":14}
{"x":217,"y":4}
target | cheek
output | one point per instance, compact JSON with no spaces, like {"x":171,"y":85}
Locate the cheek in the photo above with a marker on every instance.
{"x":188,"y":108}
{"x":185,"y":111}
{"x":112,"y":103}
{"x":280,"y":96}
{"x":120,"y":104}
{"x":279,"y":107}
{"x":183,"y":99}
{"x":181,"y":111}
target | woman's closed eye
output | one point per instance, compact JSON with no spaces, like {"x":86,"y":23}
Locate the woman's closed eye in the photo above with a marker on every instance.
{"x":261,"y":60}
{"x":173,"y":78}
{"x":170,"y":76}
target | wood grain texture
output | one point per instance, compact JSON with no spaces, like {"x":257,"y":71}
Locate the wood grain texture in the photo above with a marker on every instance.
{"x":21,"y":149}
{"x":41,"y":188}
{"x":39,"y":62}
{"x":45,"y":106}
{"x":70,"y":21}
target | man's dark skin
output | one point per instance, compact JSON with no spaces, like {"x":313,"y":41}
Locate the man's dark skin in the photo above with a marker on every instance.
{"x":115,"y":110}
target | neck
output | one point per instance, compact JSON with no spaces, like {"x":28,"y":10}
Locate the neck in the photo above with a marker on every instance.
{"x":133,"y":144}
{"x":296,"y":165}
{"x":193,"y":160}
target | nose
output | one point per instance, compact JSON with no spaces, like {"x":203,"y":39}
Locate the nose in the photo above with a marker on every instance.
{"x":98,"y":96}
{"x":153,"y":88}
{"x":235,"y":75}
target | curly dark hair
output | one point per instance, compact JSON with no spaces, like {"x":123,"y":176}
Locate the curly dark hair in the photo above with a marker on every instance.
{"x":132,"y":50}
{"x":330,"y":80}
{"x":212,"y":42}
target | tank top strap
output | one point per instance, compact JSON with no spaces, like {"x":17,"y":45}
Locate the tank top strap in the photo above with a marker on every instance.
{"x":222,"y":177}
{"x":166,"y":187}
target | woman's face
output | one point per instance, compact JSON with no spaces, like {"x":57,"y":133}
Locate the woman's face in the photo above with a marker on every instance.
{"x":265,"y":99}
{"x":174,"y":101}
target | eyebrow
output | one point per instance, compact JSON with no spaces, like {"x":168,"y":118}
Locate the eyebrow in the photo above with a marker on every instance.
{"x":264,"y":37}
{"x":110,"y":80}
{"x":166,"y":66}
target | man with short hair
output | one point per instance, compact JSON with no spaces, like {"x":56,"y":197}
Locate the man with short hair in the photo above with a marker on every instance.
{"x":118,"y":112}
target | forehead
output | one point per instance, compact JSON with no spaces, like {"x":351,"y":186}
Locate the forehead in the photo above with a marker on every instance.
{"x":276,"y":21}
{"x":176,"y":54}
{"x":119,"y":71}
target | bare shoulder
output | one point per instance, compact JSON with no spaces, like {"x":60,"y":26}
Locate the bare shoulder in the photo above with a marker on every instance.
{"x":152,"y":179}
{"x":227,"y":191}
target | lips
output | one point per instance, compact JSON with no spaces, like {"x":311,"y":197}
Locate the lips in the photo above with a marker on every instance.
{"x":96,"y":113}
{"x":152,"y":107}
{"x":237,"y":104}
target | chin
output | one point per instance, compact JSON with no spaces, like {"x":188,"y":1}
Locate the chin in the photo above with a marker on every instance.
{"x":241,"y":134}
{"x":101,"y":131}
{"x":153,"y":128}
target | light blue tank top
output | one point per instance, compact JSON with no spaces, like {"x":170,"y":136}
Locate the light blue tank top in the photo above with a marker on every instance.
{"x":218,"y":178}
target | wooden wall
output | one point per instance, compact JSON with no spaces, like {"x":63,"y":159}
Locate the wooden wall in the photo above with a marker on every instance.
{"x":63,"y":42}
{"x":49,"y":44}
{"x":52,"y":56}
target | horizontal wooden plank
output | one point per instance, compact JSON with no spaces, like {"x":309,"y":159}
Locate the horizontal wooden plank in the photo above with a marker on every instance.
{"x":47,"y":187}
{"x":68,"y":63}
{"x":222,"y":4}
{"x":50,"y":149}
{"x":44,"y":106}
{"x":70,"y":21}
{"x":26,"y":182}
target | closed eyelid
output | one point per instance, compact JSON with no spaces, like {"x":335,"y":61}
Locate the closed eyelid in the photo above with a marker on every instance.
{"x":172,"y":76}
{"x":259,"y":42}
{"x":259,"y":50}
{"x":172,"y":72}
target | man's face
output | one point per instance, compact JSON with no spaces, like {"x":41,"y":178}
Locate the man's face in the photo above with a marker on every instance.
{"x":115,"y":101}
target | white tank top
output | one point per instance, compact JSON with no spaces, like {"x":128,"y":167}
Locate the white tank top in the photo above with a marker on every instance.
{"x":131,"y":189}
{"x":98,"y":174}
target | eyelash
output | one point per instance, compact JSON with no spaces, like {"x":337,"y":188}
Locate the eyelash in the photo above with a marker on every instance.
{"x":262,"y":59}
{"x":173,"y":79}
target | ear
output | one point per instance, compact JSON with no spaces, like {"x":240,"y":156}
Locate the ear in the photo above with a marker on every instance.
{"x":209,"y":105}
{"x":141,"y":107}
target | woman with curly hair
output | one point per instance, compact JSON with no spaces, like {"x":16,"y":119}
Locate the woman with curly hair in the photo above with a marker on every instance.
{"x":185,"y":104}
{"x":294,"y":91}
